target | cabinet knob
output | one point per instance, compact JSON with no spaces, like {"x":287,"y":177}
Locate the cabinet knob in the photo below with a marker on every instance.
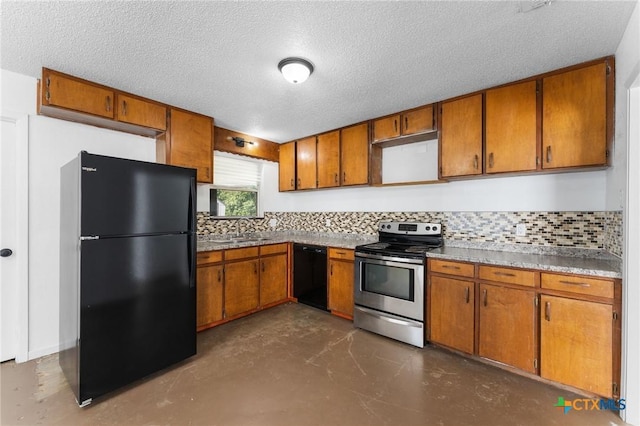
{"x":336,"y":178}
{"x":547,"y":311}
{"x":395,"y":125}
{"x":292,"y":182}
{"x":107,"y":103}
{"x":475,"y":161}
{"x":549,"y":154}
{"x":124,"y":107}
{"x":406,"y":123}
{"x":484,"y":297}
{"x":466,"y":295}
{"x":491,"y":160}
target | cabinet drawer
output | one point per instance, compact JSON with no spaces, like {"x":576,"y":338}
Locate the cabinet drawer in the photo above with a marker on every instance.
{"x":241,"y":253}
{"x":209,"y":257}
{"x":452,"y":268}
{"x":340,"y":253}
{"x":273,"y":248}
{"x":508,"y":275}
{"x":578,"y":284}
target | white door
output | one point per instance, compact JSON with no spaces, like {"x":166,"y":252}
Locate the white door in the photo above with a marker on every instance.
{"x":8,"y":242}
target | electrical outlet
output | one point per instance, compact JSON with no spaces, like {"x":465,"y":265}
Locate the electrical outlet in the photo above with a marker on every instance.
{"x":327,"y":222}
{"x":273,"y":222}
{"x":521,"y":230}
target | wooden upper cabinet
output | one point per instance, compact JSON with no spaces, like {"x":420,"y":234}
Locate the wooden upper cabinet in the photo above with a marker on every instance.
{"x":329,"y":159}
{"x":190,"y":143}
{"x":418,"y":120}
{"x":576,"y":339}
{"x":415,"y":121}
{"x":507,"y":326}
{"x":142,"y":112}
{"x":574,"y":117}
{"x":511,"y":141}
{"x":461,"y":137}
{"x":306,"y":163}
{"x":354,"y":155}
{"x":64,"y":91}
{"x":386,"y":128}
{"x":287,"y":167}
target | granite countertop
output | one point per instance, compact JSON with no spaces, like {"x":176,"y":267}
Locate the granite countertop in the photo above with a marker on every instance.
{"x":348,"y":241}
{"x":582,"y":262}
{"x":554,"y":259}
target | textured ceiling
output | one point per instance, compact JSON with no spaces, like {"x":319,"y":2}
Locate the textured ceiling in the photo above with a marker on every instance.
{"x":371,"y":58}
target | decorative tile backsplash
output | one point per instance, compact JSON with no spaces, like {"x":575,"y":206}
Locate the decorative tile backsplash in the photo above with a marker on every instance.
{"x":593,"y":230}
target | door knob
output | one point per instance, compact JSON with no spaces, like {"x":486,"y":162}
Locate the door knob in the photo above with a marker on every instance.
{"x":5,"y":252}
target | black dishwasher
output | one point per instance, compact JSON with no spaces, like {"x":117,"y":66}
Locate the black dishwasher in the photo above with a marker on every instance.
{"x":310,"y":275}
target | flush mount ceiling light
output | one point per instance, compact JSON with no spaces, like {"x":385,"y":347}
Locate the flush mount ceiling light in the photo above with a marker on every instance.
{"x":295,"y":70}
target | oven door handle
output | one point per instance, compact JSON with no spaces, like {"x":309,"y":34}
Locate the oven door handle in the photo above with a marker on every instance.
{"x":389,"y":258}
{"x":388,"y":319}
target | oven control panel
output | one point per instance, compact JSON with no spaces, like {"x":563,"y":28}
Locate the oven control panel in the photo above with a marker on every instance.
{"x":410,"y":228}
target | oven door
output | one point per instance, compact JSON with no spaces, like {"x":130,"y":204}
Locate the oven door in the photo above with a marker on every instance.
{"x":390,"y":284}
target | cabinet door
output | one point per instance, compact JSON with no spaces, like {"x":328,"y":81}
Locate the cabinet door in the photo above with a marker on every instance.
{"x":417,"y":121}
{"x":574,"y":118}
{"x":386,"y":128}
{"x":77,"y":95}
{"x":306,"y":163}
{"x":507,"y":326}
{"x":241,"y":287}
{"x":141,"y":112}
{"x":461,"y":137}
{"x":452,"y":313}
{"x":576,"y":343}
{"x":273,"y":279}
{"x":191,"y":143}
{"x":354,"y":155}
{"x":209,"y":295}
{"x":511,"y":130}
{"x":341,"y":287}
{"x":287,"y":167}
{"x":329,"y":159}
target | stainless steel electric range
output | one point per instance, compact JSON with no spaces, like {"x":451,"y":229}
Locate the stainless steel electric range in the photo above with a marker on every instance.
{"x":389,"y":292}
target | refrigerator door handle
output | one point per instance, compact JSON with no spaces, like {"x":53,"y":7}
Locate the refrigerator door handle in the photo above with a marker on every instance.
{"x":192,"y":234}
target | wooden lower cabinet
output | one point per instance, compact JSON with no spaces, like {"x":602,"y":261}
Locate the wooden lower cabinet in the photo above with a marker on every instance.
{"x":241,"y":287}
{"x":451,"y":314}
{"x":209,"y":295}
{"x":576,"y":343}
{"x":507,"y":330}
{"x":273,"y":279}
{"x":341,"y":287}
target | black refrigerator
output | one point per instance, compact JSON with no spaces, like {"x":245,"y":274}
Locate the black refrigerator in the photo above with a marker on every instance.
{"x":127,"y":271}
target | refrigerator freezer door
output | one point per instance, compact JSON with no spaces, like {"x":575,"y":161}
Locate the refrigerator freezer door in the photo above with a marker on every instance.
{"x":126,"y":197}
{"x":137,"y":309}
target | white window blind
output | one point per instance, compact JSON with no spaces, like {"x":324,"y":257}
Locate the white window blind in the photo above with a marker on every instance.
{"x":233,"y":172}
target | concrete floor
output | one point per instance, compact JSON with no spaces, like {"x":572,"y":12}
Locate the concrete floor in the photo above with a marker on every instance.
{"x":295,"y":365}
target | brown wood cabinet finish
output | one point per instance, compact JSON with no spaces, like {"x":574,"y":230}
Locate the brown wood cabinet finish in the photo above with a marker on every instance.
{"x":190,"y":143}
{"x":517,"y":276}
{"x":209,"y":295}
{"x":576,"y":343}
{"x":341,"y":264}
{"x":254,"y":147}
{"x":507,"y":330}
{"x":306,"y":170}
{"x":451,"y":314}
{"x":65,"y":91}
{"x":134,"y":110}
{"x":511,"y":137}
{"x":592,"y":286}
{"x":418,"y":120}
{"x":329,"y":159}
{"x":287,"y":167}
{"x":242,"y":289}
{"x":273,"y":279}
{"x":354,"y":155}
{"x":574,"y":122}
{"x":386,"y":128}
{"x":452,"y":268}
{"x":461,"y":137}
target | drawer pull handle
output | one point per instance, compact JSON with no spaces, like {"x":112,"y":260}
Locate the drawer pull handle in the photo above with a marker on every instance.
{"x":504,"y":274}
{"x":466,"y":295}
{"x":547,"y":311}
{"x":484,"y":297}
{"x":586,"y":285}
{"x":450,"y":267}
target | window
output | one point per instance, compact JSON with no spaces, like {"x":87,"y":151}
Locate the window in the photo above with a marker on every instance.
{"x":236,"y":186}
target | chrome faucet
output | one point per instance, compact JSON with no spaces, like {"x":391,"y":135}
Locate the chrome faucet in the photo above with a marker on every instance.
{"x":240,"y":219}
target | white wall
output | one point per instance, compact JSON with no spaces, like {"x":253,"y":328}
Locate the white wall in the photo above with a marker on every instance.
{"x":584,"y":191}
{"x":53,"y":143}
{"x":625,"y":171}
